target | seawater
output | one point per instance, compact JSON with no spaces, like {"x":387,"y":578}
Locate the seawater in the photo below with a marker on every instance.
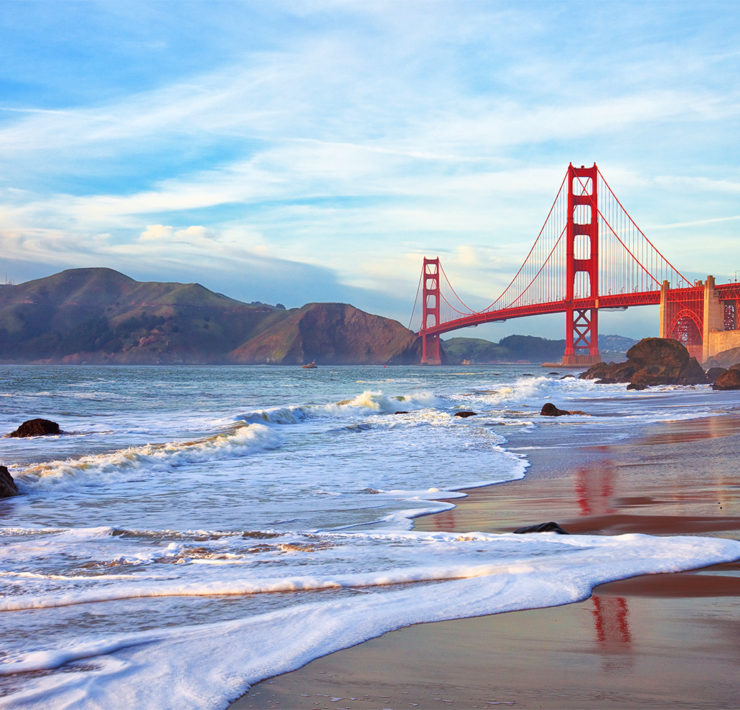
{"x":197,"y":529}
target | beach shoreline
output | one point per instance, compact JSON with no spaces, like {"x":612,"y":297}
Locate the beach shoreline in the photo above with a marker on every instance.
{"x":648,"y":641}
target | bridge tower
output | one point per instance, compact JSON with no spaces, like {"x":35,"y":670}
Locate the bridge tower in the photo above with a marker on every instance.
{"x":430,"y":354}
{"x":582,"y":267}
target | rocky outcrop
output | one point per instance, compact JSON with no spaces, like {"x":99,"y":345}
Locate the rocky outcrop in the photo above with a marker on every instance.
{"x":464,"y":414}
{"x":714,"y":372}
{"x":36,"y":427}
{"x":550,"y":410}
{"x":7,"y":484}
{"x":652,"y":361}
{"x":729,"y":379}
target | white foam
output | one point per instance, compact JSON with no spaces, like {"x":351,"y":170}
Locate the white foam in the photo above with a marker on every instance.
{"x":165,"y":668}
{"x":240,"y":441}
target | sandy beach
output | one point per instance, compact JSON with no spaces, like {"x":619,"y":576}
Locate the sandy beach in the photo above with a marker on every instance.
{"x":669,"y":640}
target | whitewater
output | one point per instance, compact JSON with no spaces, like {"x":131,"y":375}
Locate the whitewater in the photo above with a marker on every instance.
{"x":197,"y":529}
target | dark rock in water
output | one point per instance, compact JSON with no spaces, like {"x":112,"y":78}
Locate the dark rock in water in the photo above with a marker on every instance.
{"x":553,"y":373}
{"x":568,"y":377}
{"x":609,"y":372}
{"x":666,"y":351}
{"x":729,"y":380}
{"x":7,"y":484}
{"x":652,"y":361}
{"x":714,"y":372}
{"x":36,"y":427}
{"x":550,"y":410}
{"x":542,"y":527}
{"x":465,"y":414}
{"x":638,"y":387}
{"x":400,"y":412}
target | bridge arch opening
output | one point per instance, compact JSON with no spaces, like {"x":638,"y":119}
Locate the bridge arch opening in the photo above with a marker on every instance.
{"x":686,"y":327}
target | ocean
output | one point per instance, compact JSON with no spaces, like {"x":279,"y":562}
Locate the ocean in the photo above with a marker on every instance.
{"x":197,"y":529}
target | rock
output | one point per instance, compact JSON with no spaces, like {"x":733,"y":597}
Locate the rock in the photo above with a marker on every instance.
{"x":714,"y":372}
{"x":609,"y":372}
{"x":632,"y":386}
{"x":542,"y":527}
{"x":667,"y":351}
{"x":729,"y":380}
{"x":550,"y":410}
{"x":7,"y":484}
{"x":400,"y":411}
{"x":465,"y":414}
{"x":36,"y":427}
{"x":652,"y":361}
{"x":553,"y":373}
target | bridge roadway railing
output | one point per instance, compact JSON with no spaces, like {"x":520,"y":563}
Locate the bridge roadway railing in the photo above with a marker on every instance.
{"x":618,"y":300}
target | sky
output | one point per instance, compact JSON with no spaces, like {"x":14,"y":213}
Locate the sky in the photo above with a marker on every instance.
{"x":296,"y":151}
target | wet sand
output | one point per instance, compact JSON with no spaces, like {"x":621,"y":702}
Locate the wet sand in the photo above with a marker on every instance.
{"x":669,"y":640}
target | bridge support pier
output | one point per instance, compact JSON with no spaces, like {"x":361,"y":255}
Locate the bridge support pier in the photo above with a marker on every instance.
{"x":581,"y":337}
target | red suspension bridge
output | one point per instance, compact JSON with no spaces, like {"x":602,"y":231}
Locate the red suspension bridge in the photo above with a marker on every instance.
{"x":589,"y":255}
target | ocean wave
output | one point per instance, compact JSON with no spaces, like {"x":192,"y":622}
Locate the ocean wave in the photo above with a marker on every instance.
{"x":368,"y":402}
{"x":239,"y":441}
{"x":164,"y":667}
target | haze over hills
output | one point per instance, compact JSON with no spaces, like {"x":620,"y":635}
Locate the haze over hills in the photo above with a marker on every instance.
{"x":100,"y":316}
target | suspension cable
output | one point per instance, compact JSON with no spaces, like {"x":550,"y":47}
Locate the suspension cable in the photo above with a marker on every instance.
{"x":640,"y":231}
{"x":416,"y":298}
{"x":557,"y":197}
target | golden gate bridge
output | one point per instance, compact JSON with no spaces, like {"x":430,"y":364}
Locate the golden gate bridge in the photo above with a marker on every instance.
{"x":590,"y":255}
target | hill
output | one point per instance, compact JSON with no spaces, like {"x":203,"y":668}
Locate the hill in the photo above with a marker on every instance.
{"x":330,"y":333}
{"x":99,"y":315}
{"x":524,"y":348}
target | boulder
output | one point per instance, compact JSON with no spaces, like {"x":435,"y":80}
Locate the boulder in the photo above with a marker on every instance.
{"x":728,"y":380}
{"x":652,"y":361}
{"x":7,"y":484}
{"x":714,"y":372}
{"x":609,"y":372}
{"x":638,"y":387}
{"x":550,"y":410}
{"x":465,"y":414}
{"x":36,"y":427}
{"x":666,"y":351}
{"x":542,"y":527}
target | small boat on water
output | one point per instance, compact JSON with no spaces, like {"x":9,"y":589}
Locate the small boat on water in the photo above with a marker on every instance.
{"x":309,"y":366}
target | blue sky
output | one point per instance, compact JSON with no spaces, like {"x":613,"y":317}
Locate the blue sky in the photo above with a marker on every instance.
{"x":309,"y":151}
